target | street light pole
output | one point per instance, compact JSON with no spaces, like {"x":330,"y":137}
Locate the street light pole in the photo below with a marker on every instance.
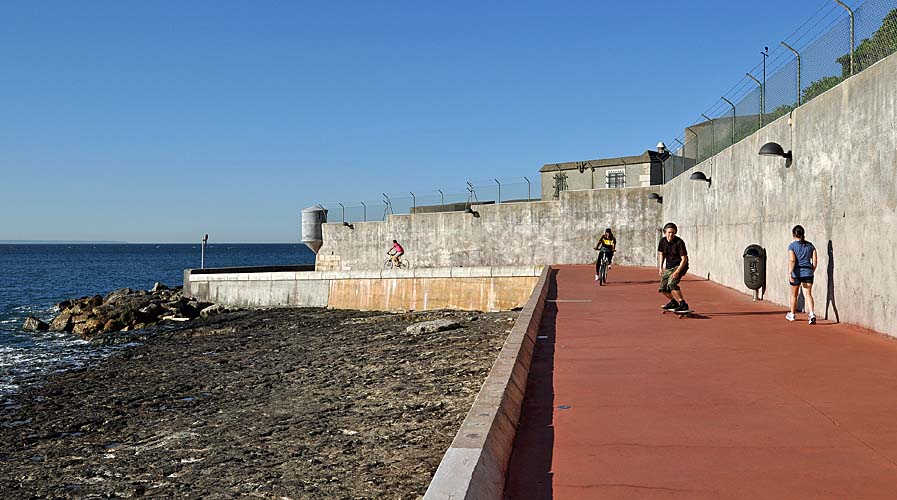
{"x":202,"y":258}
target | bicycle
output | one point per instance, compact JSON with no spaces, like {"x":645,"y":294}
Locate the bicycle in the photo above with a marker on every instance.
{"x":398,"y":264}
{"x":602,"y":268}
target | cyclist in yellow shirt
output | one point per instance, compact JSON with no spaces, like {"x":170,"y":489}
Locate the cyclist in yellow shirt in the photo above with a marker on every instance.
{"x":606,"y":243}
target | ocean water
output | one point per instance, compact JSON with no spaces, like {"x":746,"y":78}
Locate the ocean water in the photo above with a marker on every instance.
{"x":33,"y":278}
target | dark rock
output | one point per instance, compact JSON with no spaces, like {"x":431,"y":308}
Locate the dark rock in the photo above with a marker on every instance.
{"x":151,"y":312}
{"x":159,"y":287}
{"x":118,"y":294}
{"x":33,"y":324}
{"x":62,"y":322}
{"x":112,"y":326}
{"x":65,"y":304}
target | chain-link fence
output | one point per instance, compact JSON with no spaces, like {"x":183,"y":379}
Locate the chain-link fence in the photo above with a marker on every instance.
{"x":456,"y":198}
{"x":833,"y":44}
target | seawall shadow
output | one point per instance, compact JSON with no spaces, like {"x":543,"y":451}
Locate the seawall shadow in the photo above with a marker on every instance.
{"x":529,"y":470}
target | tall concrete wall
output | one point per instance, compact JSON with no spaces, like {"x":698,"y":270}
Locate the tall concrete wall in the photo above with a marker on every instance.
{"x":842,"y":187}
{"x":545,"y":232}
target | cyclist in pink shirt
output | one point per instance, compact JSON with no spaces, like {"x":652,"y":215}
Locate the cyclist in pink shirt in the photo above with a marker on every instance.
{"x":395,"y":252}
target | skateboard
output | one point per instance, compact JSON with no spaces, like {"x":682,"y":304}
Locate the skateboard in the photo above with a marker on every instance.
{"x":682,"y":314}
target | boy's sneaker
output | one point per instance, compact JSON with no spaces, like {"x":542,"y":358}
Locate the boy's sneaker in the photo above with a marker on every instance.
{"x":671,"y":306}
{"x":812,"y":319}
{"x":683,"y":306}
{"x":789,"y":316}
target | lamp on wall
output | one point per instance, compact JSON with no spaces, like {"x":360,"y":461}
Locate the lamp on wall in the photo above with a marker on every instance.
{"x":776,"y":149}
{"x":699,"y":176}
{"x":655,"y":196}
{"x":350,"y":226}
{"x":471,"y":211}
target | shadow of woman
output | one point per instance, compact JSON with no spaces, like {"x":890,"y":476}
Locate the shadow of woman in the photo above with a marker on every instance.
{"x":830,"y":292}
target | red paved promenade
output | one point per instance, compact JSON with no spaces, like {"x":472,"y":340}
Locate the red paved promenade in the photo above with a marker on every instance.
{"x":626,"y":403}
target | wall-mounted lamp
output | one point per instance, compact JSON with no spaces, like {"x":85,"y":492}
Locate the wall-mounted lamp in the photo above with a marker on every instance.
{"x":346,"y":224}
{"x":655,"y":196}
{"x":699,"y":176}
{"x":776,"y":149}
{"x":471,"y":211}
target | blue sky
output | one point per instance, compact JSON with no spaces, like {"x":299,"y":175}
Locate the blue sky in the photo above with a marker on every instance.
{"x":161,"y":121}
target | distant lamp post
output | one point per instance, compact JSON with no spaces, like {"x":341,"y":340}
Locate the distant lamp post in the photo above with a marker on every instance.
{"x":699,"y":176}
{"x":656,"y":197}
{"x":776,"y":149}
{"x":202,"y":258}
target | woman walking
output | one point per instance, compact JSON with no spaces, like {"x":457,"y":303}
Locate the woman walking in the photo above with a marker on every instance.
{"x":802,"y":263}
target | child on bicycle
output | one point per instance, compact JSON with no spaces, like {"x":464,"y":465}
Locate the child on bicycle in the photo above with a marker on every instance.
{"x":607,"y":243}
{"x":395,"y":252}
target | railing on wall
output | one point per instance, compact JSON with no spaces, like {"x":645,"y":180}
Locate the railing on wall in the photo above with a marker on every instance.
{"x":836,"y":42}
{"x":483,"y":191}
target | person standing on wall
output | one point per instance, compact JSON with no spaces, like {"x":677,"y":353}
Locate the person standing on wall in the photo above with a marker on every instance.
{"x":802,"y":261}
{"x":672,"y":264}
{"x":607,"y":243}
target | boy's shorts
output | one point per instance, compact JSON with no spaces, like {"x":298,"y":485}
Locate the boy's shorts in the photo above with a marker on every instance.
{"x":668,"y":283}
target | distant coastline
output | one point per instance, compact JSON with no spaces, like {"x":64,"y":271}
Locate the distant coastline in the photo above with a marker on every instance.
{"x":60,"y":242}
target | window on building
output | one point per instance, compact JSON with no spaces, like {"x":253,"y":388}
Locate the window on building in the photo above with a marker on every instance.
{"x":616,"y":178}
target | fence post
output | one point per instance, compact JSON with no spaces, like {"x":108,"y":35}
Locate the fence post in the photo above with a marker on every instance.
{"x":712,"y":135}
{"x":852,"y":41}
{"x":343,"y":209}
{"x":413,"y":202}
{"x":697,"y":143}
{"x":499,"y":190}
{"x":733,"y":117}
{"x":365,"y":211}
{"x":442,"y":196}
{"x":528,"y":197}
{"x":682,"y":165}
{"x":761,"y":96}
{"x":796,"y":53}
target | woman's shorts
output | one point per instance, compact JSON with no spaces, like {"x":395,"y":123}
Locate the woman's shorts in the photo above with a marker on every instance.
{"x":797,"y":280}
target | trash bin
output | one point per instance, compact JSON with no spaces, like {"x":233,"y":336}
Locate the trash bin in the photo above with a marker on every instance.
{"x":755,"y":268}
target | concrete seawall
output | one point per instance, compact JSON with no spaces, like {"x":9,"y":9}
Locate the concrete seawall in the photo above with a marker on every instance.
{"x":465,"y":288}
{"x":512,"y":234}
{"x":475,"y":465}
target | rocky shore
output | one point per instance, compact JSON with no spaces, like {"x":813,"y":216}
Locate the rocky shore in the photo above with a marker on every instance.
{"x":286,"y":404}
{"x":123,"y":310}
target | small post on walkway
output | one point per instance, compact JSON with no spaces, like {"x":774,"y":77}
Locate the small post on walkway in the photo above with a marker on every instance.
{"x":202,"y":258}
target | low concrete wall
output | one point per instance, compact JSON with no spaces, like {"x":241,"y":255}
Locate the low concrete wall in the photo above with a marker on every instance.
{"x":841,"y":187}
{"x":475,"y":465}
{"x":468,"y":288}
{"x":513,"y":234}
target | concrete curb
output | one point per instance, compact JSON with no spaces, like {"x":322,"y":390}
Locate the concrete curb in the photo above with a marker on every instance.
{"x":475,"y":465}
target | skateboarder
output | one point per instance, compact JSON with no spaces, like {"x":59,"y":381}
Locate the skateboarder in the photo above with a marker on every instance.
{"x":672,"y":264}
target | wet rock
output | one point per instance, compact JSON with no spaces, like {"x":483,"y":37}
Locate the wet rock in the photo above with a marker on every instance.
{"x":437,"y":325}
{"x":88,"y":328}
{"x":33,"y":324}
{"x":117,"y":294}
{"x":62,"y":322}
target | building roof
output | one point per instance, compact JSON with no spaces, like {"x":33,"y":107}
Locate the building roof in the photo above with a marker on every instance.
{"x":646,"y":157}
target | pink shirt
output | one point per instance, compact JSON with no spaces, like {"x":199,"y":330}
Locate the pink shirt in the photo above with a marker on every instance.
{"x":398,"y":248}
